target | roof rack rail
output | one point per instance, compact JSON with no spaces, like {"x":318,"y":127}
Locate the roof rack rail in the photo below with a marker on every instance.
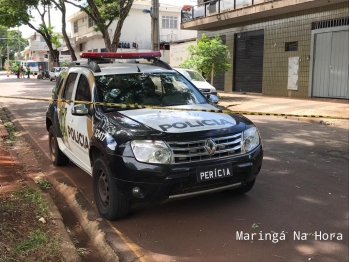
{"x":95,"y":58}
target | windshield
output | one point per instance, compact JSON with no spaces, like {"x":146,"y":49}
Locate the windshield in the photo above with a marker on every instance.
{"x":195,"y":76}
{"x":157,"y":89}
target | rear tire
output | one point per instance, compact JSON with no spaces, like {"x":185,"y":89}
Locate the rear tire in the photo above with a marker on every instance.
{"x":57,"y":156}
{"x":244,"y":189}
{"x":111,"y":204}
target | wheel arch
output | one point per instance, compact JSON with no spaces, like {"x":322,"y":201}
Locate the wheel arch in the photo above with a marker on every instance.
{"x":95,"y":153}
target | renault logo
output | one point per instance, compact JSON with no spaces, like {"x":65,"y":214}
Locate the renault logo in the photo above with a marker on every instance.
{"x":210,"y":146}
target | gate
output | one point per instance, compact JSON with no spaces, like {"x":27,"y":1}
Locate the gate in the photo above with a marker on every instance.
{"x":330,"y":63}
{"x":248,"y":61}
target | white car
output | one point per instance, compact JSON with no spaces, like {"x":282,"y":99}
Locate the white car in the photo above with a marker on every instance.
{"x":198,"y":80}
{"x":54,"y":73}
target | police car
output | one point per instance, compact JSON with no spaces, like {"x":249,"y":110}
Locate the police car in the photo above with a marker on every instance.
{"x":145,"y":133}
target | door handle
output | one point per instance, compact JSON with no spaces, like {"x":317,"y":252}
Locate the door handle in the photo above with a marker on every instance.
{"x":71,"y":120}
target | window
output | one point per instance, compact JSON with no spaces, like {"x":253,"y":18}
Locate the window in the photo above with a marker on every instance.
{"x":83,"y":92}
{"x":291,"y":46}
{"x":169,"y":22}
{"x":103,"y":50}
{"x":75,"y":26}
{"x":69,"y":87}
{"x":90,"y":22}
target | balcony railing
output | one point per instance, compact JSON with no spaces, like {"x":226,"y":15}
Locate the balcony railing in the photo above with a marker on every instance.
{"x":213,"y":7}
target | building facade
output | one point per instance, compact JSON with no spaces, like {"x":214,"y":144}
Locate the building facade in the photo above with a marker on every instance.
{"x":136,"y":30}
{"x":38,"y":51}
{"x":294,"y":48}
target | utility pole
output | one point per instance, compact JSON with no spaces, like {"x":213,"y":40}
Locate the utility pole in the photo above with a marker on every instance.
{"x":19,"y":45}
{"x":155,"y":37}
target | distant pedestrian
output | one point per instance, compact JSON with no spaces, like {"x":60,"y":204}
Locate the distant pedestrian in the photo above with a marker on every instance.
{"x":28,"y":71}
{"x":22,"y":71}
{"x":18,"y":71}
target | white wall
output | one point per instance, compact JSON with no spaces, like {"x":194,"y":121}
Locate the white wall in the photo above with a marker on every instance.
{"x":136,"y":28}
{"x":179,"y":52}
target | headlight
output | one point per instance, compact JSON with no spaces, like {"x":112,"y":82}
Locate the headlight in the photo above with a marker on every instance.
{"x":250,"y":139}
{"x":149,"y":151}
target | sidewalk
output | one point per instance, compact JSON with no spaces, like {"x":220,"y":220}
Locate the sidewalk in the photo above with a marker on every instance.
{"x":284,"y":105}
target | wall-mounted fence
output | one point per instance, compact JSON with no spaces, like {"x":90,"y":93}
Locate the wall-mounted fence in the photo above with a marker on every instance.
{"x":213,"y":6}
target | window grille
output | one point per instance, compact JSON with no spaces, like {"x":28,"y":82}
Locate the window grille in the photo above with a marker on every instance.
{"x":330,"y":23}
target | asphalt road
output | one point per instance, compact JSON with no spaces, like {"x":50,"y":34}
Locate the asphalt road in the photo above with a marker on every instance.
{"x":302,"y":191}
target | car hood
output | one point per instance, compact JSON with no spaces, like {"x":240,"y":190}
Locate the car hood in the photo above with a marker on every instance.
{"x":167,"y":124}
{"x":203,"y":85}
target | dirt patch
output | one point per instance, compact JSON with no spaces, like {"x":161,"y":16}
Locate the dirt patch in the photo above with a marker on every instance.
{"x":22,"y":166}
{"x":27,"y":233}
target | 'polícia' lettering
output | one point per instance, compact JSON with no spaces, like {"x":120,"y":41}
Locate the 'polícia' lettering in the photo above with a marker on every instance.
{"x":197,"y":123}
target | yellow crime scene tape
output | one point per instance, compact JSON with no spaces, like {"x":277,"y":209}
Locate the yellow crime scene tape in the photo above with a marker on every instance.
{"x":137,"y":106}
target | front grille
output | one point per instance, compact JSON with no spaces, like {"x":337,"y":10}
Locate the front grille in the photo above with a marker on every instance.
{"x":194,"y":186}
{"x":205,"y":90}
{"x":193,"y":151}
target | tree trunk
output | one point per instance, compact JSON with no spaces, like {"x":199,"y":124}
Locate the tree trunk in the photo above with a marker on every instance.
{"x":107,"y":42}
{"x":212,"y":75}
{"x":64,"y":32}
{"x":124,"y":11}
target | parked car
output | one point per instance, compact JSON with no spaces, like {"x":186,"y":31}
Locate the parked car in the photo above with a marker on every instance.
{"x":54,"y":73}
{"x":198,"y":80}
{"x":145,"y":133}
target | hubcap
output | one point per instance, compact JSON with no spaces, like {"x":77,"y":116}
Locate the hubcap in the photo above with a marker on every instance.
{"x":103,"y":189}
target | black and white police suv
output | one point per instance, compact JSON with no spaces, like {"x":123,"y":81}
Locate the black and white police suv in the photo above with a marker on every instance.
{"x":146,"y":133}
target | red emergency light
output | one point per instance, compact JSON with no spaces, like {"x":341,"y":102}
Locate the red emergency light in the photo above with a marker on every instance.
{"x":133,"y":55}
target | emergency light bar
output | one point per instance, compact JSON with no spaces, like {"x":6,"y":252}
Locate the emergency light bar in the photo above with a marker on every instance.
{"x":134,"y":55}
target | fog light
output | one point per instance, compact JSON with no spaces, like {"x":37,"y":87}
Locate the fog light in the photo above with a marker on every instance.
{"x":136,"y":192}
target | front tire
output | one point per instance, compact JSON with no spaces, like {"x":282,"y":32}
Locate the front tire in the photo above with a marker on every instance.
{"x":244,"y":189}
{"x":57,"y":156}
{"x":111,"y":203}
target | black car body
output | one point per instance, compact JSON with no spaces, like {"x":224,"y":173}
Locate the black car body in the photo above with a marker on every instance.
{"x":150,"y":152}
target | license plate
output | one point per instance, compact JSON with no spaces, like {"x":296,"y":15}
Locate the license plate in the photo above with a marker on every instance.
{"x":214,"y":172}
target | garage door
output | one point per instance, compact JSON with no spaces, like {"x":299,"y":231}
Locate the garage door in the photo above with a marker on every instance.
{"x":218,"y":81}
{"x":330,"y":73}
{"x":248,"y":61}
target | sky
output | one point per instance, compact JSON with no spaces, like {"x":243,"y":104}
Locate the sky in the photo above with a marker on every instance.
{"x":56,"y":17}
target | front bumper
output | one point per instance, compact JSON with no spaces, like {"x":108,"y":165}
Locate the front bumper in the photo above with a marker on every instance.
{"x":158,"y":183}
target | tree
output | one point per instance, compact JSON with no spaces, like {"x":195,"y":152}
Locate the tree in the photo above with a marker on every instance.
{"x":209,"y":56}
{"x":19,"y":12}
{"x":10,"y":42}
{"x":60,"y":4}
{"x":103,"y":13}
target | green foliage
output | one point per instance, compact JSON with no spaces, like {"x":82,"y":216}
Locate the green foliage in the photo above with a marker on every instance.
{"x":15,"y":12}
{"x":208,"y":54}
{"x":11,"y":42}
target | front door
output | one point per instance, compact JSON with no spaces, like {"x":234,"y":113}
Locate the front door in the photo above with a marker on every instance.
{"x":79,"y":128}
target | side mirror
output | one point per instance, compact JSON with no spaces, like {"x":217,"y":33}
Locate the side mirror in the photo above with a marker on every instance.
{"x":212,"y":98}
{"x":79,"y":110}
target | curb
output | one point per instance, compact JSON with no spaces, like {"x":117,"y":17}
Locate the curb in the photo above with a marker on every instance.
{"x":70,"y":254}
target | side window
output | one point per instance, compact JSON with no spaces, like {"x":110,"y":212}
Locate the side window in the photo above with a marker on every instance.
{"x":83,"y":92}
{"x":69,"y":86}
{"x":57,"y":88}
